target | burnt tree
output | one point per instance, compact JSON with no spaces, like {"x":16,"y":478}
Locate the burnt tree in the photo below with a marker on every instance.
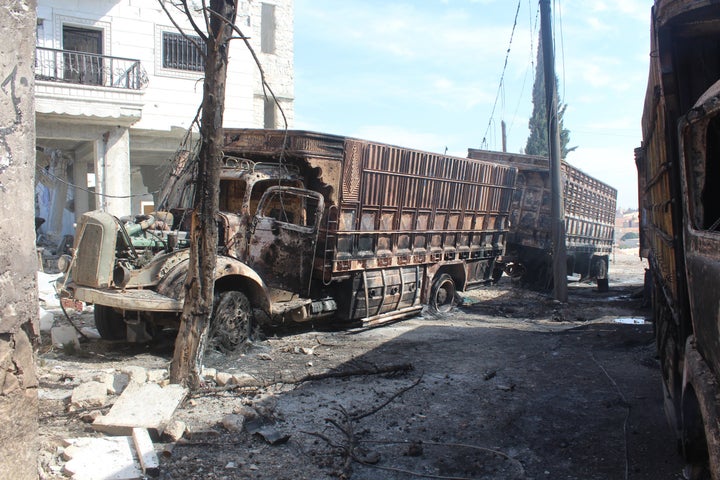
{"x":219,"y":18}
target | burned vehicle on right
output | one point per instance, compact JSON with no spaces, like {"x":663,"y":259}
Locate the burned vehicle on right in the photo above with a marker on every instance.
{"x":589,"y":222}
{"x":679,"y":194}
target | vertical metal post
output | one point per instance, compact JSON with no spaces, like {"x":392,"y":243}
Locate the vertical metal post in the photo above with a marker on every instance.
{"x":504,"y":136}
{"x":557,"y":210}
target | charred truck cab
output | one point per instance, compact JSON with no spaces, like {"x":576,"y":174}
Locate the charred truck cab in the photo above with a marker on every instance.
{"x":311,"y":226}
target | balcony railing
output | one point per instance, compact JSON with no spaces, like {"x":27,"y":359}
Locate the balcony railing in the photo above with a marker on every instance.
{"x":89,"y":69}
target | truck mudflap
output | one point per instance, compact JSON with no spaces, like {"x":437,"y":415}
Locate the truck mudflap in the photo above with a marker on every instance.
{"x":700,"y":411}
{"x":141,"y":300}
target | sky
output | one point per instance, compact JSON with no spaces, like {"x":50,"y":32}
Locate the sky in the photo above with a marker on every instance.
{"x":426,"y":74}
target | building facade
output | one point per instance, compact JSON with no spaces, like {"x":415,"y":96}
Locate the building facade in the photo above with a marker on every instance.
{"x":118,"y":87}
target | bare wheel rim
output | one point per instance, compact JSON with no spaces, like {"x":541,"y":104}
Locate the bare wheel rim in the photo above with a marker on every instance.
{"x":231,"y":323}
{"x":443,"y":294}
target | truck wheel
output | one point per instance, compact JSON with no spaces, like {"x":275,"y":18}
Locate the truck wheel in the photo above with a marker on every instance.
{"x":231,"y":322}
{"x":442,"y":294}
{"x":110,"y":323}
{"x":603,"y":284}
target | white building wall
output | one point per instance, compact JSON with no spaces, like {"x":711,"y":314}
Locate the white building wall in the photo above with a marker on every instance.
{"x":172,"y":97}
{"x":77,"y":116}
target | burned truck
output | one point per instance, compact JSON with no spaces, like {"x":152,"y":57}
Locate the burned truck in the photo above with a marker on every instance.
{"x":589,"y":222}
{"x":679,"y":195}
{"x":311,"y":226}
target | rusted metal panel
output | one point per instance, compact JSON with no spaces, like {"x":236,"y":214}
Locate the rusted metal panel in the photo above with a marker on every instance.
{"x":679,"y":189}
{"x":389,"y":206}
{"x":589,"y":209}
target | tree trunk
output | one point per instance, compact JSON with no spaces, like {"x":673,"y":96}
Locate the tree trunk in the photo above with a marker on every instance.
{"x":199,"y":285}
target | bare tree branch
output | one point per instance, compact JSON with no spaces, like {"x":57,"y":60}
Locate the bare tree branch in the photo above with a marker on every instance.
{"x":264,"y":82}
{"x":182,"y":32}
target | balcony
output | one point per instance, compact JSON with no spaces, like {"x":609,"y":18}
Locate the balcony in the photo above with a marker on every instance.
{"x":88,"y":87}
{"x":89,"y":69}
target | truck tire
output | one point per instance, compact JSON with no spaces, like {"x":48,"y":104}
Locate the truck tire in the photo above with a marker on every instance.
{"x":443,"y":296}
{"x":603,"y":283}
{"x":109,"y":323}
{"x":232,"y":321}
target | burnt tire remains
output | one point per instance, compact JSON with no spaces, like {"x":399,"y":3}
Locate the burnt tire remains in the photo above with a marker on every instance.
{"x":231,"y":323}
{"x":109,"y":323}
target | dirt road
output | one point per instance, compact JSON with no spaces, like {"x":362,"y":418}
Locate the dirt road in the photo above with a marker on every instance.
{"x":511,"y":386}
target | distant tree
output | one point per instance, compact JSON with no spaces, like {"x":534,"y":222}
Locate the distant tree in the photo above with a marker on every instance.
{"x":537,"y":142}
{"x":629,"y":235}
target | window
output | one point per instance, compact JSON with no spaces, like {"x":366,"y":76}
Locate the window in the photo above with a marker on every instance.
{"x":267,"y":28}
{"x":180,"y":53}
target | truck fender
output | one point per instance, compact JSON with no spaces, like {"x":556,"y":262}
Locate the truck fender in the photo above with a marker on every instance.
{"x":230,"y":274}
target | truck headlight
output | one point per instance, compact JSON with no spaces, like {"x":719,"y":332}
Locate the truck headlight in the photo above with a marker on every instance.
{"x":63,"y":263}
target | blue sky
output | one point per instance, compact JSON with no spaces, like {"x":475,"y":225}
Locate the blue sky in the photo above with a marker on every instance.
{"x":425,"y":74}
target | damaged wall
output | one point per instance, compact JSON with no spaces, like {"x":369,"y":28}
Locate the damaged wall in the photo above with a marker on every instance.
{"x":18,"y":261}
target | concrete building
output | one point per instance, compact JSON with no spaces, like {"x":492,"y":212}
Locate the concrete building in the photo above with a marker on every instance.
{"x":117,"y":89}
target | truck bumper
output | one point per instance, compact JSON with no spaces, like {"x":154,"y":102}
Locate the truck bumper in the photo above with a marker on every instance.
{"x":143,"y":300}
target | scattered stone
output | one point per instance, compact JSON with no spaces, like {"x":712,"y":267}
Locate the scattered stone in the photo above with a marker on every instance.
{"x":233,"y":423}
{"x":231,"y":465}
{"x":63,"y":335}
{"x":88,"y":457}
{"x":248,"y":412}
{"x":174,"y":430}
{"x":223,"y":378}
{"x":208,"y":373}
{"x":264,"y":356}
{"x":91,"y":332}
{"x":88,"y":395}
{"x":167,"y":450}
{"x":148,"y":406}
{"x":136,"y":374}
{"x":272,"y":436}
{"x":157,"y":375}
{"x":146,"y":452}
{"x":245,"y":380}
{"x":114,"y":382}
{"x":90,"y":416}
{"x":53,"y":394}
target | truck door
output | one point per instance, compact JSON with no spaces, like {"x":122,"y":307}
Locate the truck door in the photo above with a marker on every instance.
{"x":283,"y":237}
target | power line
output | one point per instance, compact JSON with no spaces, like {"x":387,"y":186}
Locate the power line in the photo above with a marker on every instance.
{"x":502,"y":76}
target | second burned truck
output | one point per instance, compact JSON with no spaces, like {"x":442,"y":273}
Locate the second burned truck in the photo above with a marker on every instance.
{"x":310,"y":226}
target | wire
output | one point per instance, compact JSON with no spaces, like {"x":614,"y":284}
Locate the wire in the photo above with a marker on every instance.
{"x":502,"y":76}
{"x":62,"y":180}
{"x":562,"y":46}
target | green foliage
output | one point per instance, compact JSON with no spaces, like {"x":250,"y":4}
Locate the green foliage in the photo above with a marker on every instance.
{"x":537,"y":142}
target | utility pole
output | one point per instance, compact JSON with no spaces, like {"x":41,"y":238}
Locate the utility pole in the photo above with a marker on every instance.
{"x":556,"y":184}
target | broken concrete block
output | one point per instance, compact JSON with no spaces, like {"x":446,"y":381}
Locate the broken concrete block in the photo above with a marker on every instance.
{"x":105,"y":458}
{"x":136,"y":374}
{"x":147,"y":406}
{"x":233,"y":423}
{"x":146,"y":452}
{"x":174,"y":430}
{"x":64,"y":334}
{"x":47,"y":319}
{"x":89,"y":395}
{"x":114,"y":382}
